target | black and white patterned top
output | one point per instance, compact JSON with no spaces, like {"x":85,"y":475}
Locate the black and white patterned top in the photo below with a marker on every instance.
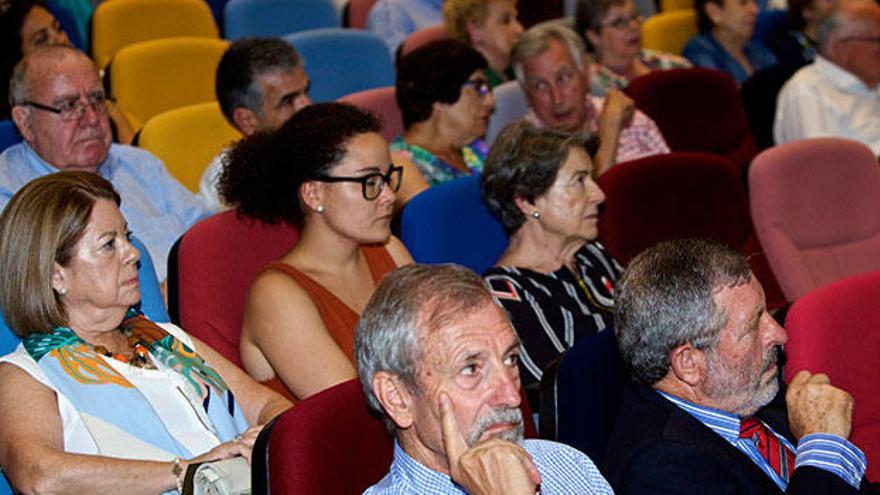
{"x":552,"y":311}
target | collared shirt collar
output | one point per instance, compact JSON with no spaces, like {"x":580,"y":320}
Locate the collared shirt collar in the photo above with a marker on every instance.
{"x":721,"y":422}
{"x":840,"y":77}
{"x":42,"y":167}
{"x":418,"y":475}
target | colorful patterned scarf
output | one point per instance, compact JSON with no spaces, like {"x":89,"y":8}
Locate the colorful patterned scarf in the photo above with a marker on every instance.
{"x":94,"y":387}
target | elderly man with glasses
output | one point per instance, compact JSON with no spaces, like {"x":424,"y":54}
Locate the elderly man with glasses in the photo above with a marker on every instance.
{"x":60,"y":109}
{"x":839,"y":93}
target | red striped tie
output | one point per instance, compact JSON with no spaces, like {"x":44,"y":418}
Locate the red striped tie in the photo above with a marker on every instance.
{"x":769,"y":446}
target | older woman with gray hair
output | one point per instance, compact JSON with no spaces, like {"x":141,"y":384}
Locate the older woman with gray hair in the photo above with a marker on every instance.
{"x":554,"y":279}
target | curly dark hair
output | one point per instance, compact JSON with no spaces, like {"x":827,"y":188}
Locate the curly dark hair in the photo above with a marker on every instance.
{"x":12,"y":16}
{"x":262,"y":174}
{"x":434,"y":73}
{"x":523,"y":163}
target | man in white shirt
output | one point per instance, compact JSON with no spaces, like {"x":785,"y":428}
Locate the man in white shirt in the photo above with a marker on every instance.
{"x":839,"y":94}
{"x":260,"y":83}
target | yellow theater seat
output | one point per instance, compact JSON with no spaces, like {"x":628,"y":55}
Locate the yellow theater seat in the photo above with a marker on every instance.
{"x":119,"y":23}
{"x":151,"y":77}
{"x":666,"y":5}
{"x":187,"y":138}
{"x":669,"y":31}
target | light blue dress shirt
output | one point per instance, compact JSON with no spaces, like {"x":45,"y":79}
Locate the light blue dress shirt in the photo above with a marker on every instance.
{"x":157,"y":207}
{"x":394,"y":20}
{"x":820,"y":450}
{"x":564,"y":470}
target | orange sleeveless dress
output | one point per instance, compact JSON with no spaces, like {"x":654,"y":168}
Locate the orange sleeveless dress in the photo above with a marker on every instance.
{"x":339,"y":319}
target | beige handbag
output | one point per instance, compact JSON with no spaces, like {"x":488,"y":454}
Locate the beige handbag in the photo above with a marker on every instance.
{"x":227,"y":477}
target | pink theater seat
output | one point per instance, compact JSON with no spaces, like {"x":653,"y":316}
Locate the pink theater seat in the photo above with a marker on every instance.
{"x":382,"y":103}
{"x":816,"y":208}
{"x":211,"y":269}
{"x":678,"y":195}
{"x":422,"y":37}
{"x":697,"y":110}
{"x":834,"y":330}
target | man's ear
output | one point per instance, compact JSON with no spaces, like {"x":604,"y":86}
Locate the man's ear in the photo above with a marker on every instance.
{"x":247,"y":121}
{"x":688,"y":364}
{"x":22,"y":118}
{"x":395,"y":398}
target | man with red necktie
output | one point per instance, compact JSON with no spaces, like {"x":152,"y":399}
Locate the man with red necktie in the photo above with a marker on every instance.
{"x":706,"y":414}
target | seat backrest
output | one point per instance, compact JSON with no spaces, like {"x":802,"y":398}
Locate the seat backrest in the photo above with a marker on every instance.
{"x":382,"y":103}
{"x":679,"y":195}
{"x":152,"y":303}
{"x":358,"y":11}
{"x":328,"y":443}
{"x":450,"y":223}
{"x":421,"y":38}
{"x":266,"y":18}
{"x":671,"y":196}
{"x":343,"y":61}
{"x":759,"y":94}
{"x":833,"y":330}
{"x":510,"y":105}
{"x":667,"y":5}
{"x":816,"y":208}
{"x":121,"y":23}
{"x":8,"y":134}
{"x":151,"y":77}
{"x":669,"y":31}
{"x":697,"y":109}
{"x":579,"y":401}
{"x":211,"y":269}
{"x":186,"y":139}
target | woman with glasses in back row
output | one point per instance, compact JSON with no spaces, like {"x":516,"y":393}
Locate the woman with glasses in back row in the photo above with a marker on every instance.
{"x":328,"y":172}
{"x":612,"y":32}
{"x":445,"y":101}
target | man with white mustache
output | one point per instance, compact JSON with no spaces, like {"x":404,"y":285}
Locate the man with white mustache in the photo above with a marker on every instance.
{"x":437,"y":359}
{"x":694,"y":331}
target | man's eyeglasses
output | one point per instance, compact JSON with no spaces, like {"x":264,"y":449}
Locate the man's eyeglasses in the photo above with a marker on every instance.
{"x":622,"y":22}
{"x":371,"y":184}
{"x":481,"y":86}
{"x":74,"y":108}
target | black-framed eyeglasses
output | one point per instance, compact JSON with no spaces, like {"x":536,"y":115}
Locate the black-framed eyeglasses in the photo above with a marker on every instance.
{"x":74,"y":108}
{"x":371,"y":184}
{"x":625,"y":21}
{"x":866,"y":39}
{"x":481,"y":86}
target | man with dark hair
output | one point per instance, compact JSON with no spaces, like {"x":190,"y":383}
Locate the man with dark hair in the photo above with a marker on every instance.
{"x":838,"y":95}
{"x":260,"y":83}
{"x":437,"y":360}
{"x":694,"y":331}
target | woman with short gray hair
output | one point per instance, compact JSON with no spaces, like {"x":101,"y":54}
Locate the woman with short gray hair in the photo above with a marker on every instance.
{"x":554,"y":279}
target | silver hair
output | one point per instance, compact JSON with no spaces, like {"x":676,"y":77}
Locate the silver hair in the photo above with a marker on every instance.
{"x":666,"y":298}
{"x":828,"y":26}
{"x":536,"y":41}
{"x":411,"y":302}
{"x":19,"y":91}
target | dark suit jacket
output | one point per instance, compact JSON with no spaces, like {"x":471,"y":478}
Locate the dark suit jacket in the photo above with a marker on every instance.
{"x":658,"y":448}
